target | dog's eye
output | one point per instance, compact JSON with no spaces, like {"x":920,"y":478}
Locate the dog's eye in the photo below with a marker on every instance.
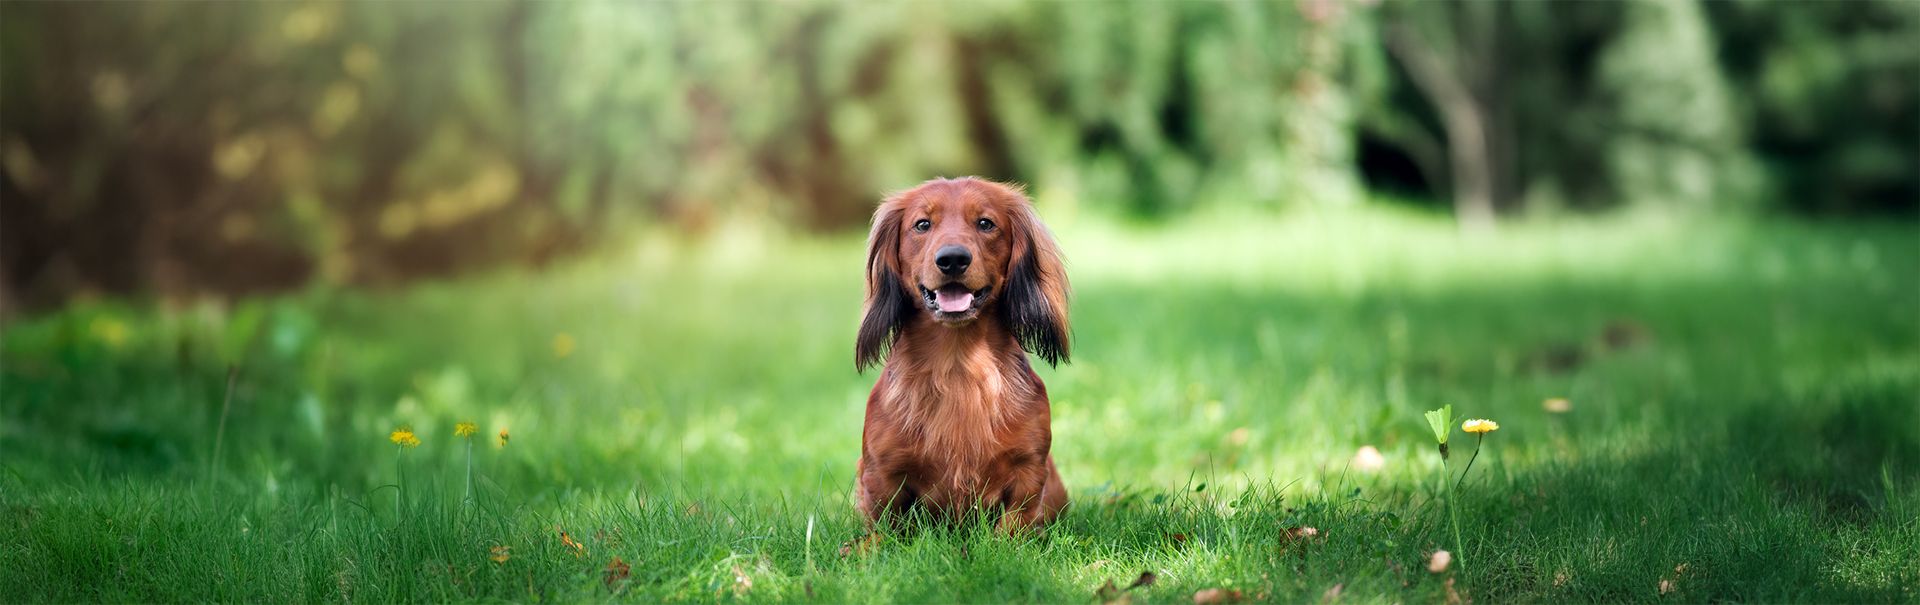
{"x":922,"y":225}
{"x":984,"y":224}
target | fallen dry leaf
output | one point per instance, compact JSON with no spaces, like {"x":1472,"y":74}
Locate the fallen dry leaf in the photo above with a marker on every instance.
{"x":1146,"y":579}
{"x":617,"y":571}
{"x":1557,"y":405}
{"x":1453,"y":597}
{"x":1214,"y":596}
{"x":1111,"y":594}
{"x":1439,"y":560}
{"x":1666,"y":586}
{"x":579,"y":550}
{"x":1332,"y":594}
{"x":1238,"y":436}
{"x":499,"y":554}
{"x":859,"y":546}
{"x":1624,"y":334}
{"x":742,"y":583}
{"x":1178,"y":540}
{"x":1369,"y":459}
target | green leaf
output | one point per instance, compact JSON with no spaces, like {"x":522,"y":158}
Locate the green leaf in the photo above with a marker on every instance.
{"x":1441,"y":420}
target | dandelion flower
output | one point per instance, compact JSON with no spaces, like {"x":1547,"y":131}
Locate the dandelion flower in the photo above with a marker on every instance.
{"x":1479,"y":425}
{"x":562,"y":345}
{"x":404,"y":437}
{"x":503,"y":437}
{"x":466,"y":430}
{"x":110,"y":331}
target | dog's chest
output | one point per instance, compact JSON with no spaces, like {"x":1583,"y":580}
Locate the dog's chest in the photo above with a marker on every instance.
{"x":955,"y":433}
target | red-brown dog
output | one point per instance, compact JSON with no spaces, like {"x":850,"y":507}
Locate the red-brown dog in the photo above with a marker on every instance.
{"x":962,"y":280}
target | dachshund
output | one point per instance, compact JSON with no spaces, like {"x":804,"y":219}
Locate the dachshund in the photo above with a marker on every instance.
{"x":962,"y":282}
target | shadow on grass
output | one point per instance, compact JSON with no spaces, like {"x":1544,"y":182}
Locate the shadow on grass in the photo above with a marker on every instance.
{"x":1785,"y":502}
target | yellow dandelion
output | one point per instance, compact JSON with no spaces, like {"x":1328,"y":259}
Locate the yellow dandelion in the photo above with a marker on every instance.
{"x":404,"y":437}
{"x":466,"y":429}
{"x":1479,"y":425}
{"x":503,"y":437}
{"x":562,"y":345}
{"x":110,"y":331}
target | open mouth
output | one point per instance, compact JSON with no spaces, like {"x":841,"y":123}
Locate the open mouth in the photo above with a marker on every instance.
{"x":953,"y":300}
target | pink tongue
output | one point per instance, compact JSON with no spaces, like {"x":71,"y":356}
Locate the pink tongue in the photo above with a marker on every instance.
{"x":953,"y":300}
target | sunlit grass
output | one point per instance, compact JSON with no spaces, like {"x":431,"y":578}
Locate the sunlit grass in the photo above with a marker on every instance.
{"x":1726,"y":408}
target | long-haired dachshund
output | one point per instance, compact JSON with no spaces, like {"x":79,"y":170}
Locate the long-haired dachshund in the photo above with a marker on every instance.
{"x":962,"y":281}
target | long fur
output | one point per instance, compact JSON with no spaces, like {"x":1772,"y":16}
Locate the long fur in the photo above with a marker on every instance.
{"x":888,"y":306}
{"x":1035,"y":307}
{"x":958,"y":418}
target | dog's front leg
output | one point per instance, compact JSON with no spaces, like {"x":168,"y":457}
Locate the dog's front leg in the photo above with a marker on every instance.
{"x":1033,"y":499}
{"x":880,"y":492}
{"x":877,"y":496}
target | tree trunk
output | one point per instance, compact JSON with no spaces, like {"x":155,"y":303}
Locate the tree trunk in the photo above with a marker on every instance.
{"x":1465,"y":120}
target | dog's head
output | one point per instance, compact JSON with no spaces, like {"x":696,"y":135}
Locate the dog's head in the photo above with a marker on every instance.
{"x":963,"y":250}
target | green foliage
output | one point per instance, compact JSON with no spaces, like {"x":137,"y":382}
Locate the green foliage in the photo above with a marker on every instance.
{"x":1672,"y":134}
{"x":182,"y":148}
{"x":1827,"y":94}
{"x":188,"y":149}
{"x":1698,"y":106}
{"x":1740,"y":428}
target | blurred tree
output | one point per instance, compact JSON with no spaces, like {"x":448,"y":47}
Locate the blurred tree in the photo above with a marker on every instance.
{"x":1531,"y":98}
{"x":1830,"y":97}
{"x":194,"y":149}
{"x":188,"y":149}
{"x":1450,"y":53}
{"x":1671,"y":131}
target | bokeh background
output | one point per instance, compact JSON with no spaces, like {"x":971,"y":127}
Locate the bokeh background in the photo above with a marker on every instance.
{"x":193,"y":150}
{"x":1670,"y":246}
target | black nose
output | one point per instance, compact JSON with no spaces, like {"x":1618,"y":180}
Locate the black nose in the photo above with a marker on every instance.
{"x":952,"y":259}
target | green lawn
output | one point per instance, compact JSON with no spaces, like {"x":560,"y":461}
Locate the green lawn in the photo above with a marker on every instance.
{"x":1744,"y":425}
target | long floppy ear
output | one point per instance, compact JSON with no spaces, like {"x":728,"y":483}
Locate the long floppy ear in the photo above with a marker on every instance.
{"x":888,"y":306}
{"x":1035,"y":307}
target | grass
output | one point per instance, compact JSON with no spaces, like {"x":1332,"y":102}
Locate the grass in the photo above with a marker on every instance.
{"x":1743,"y":425}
